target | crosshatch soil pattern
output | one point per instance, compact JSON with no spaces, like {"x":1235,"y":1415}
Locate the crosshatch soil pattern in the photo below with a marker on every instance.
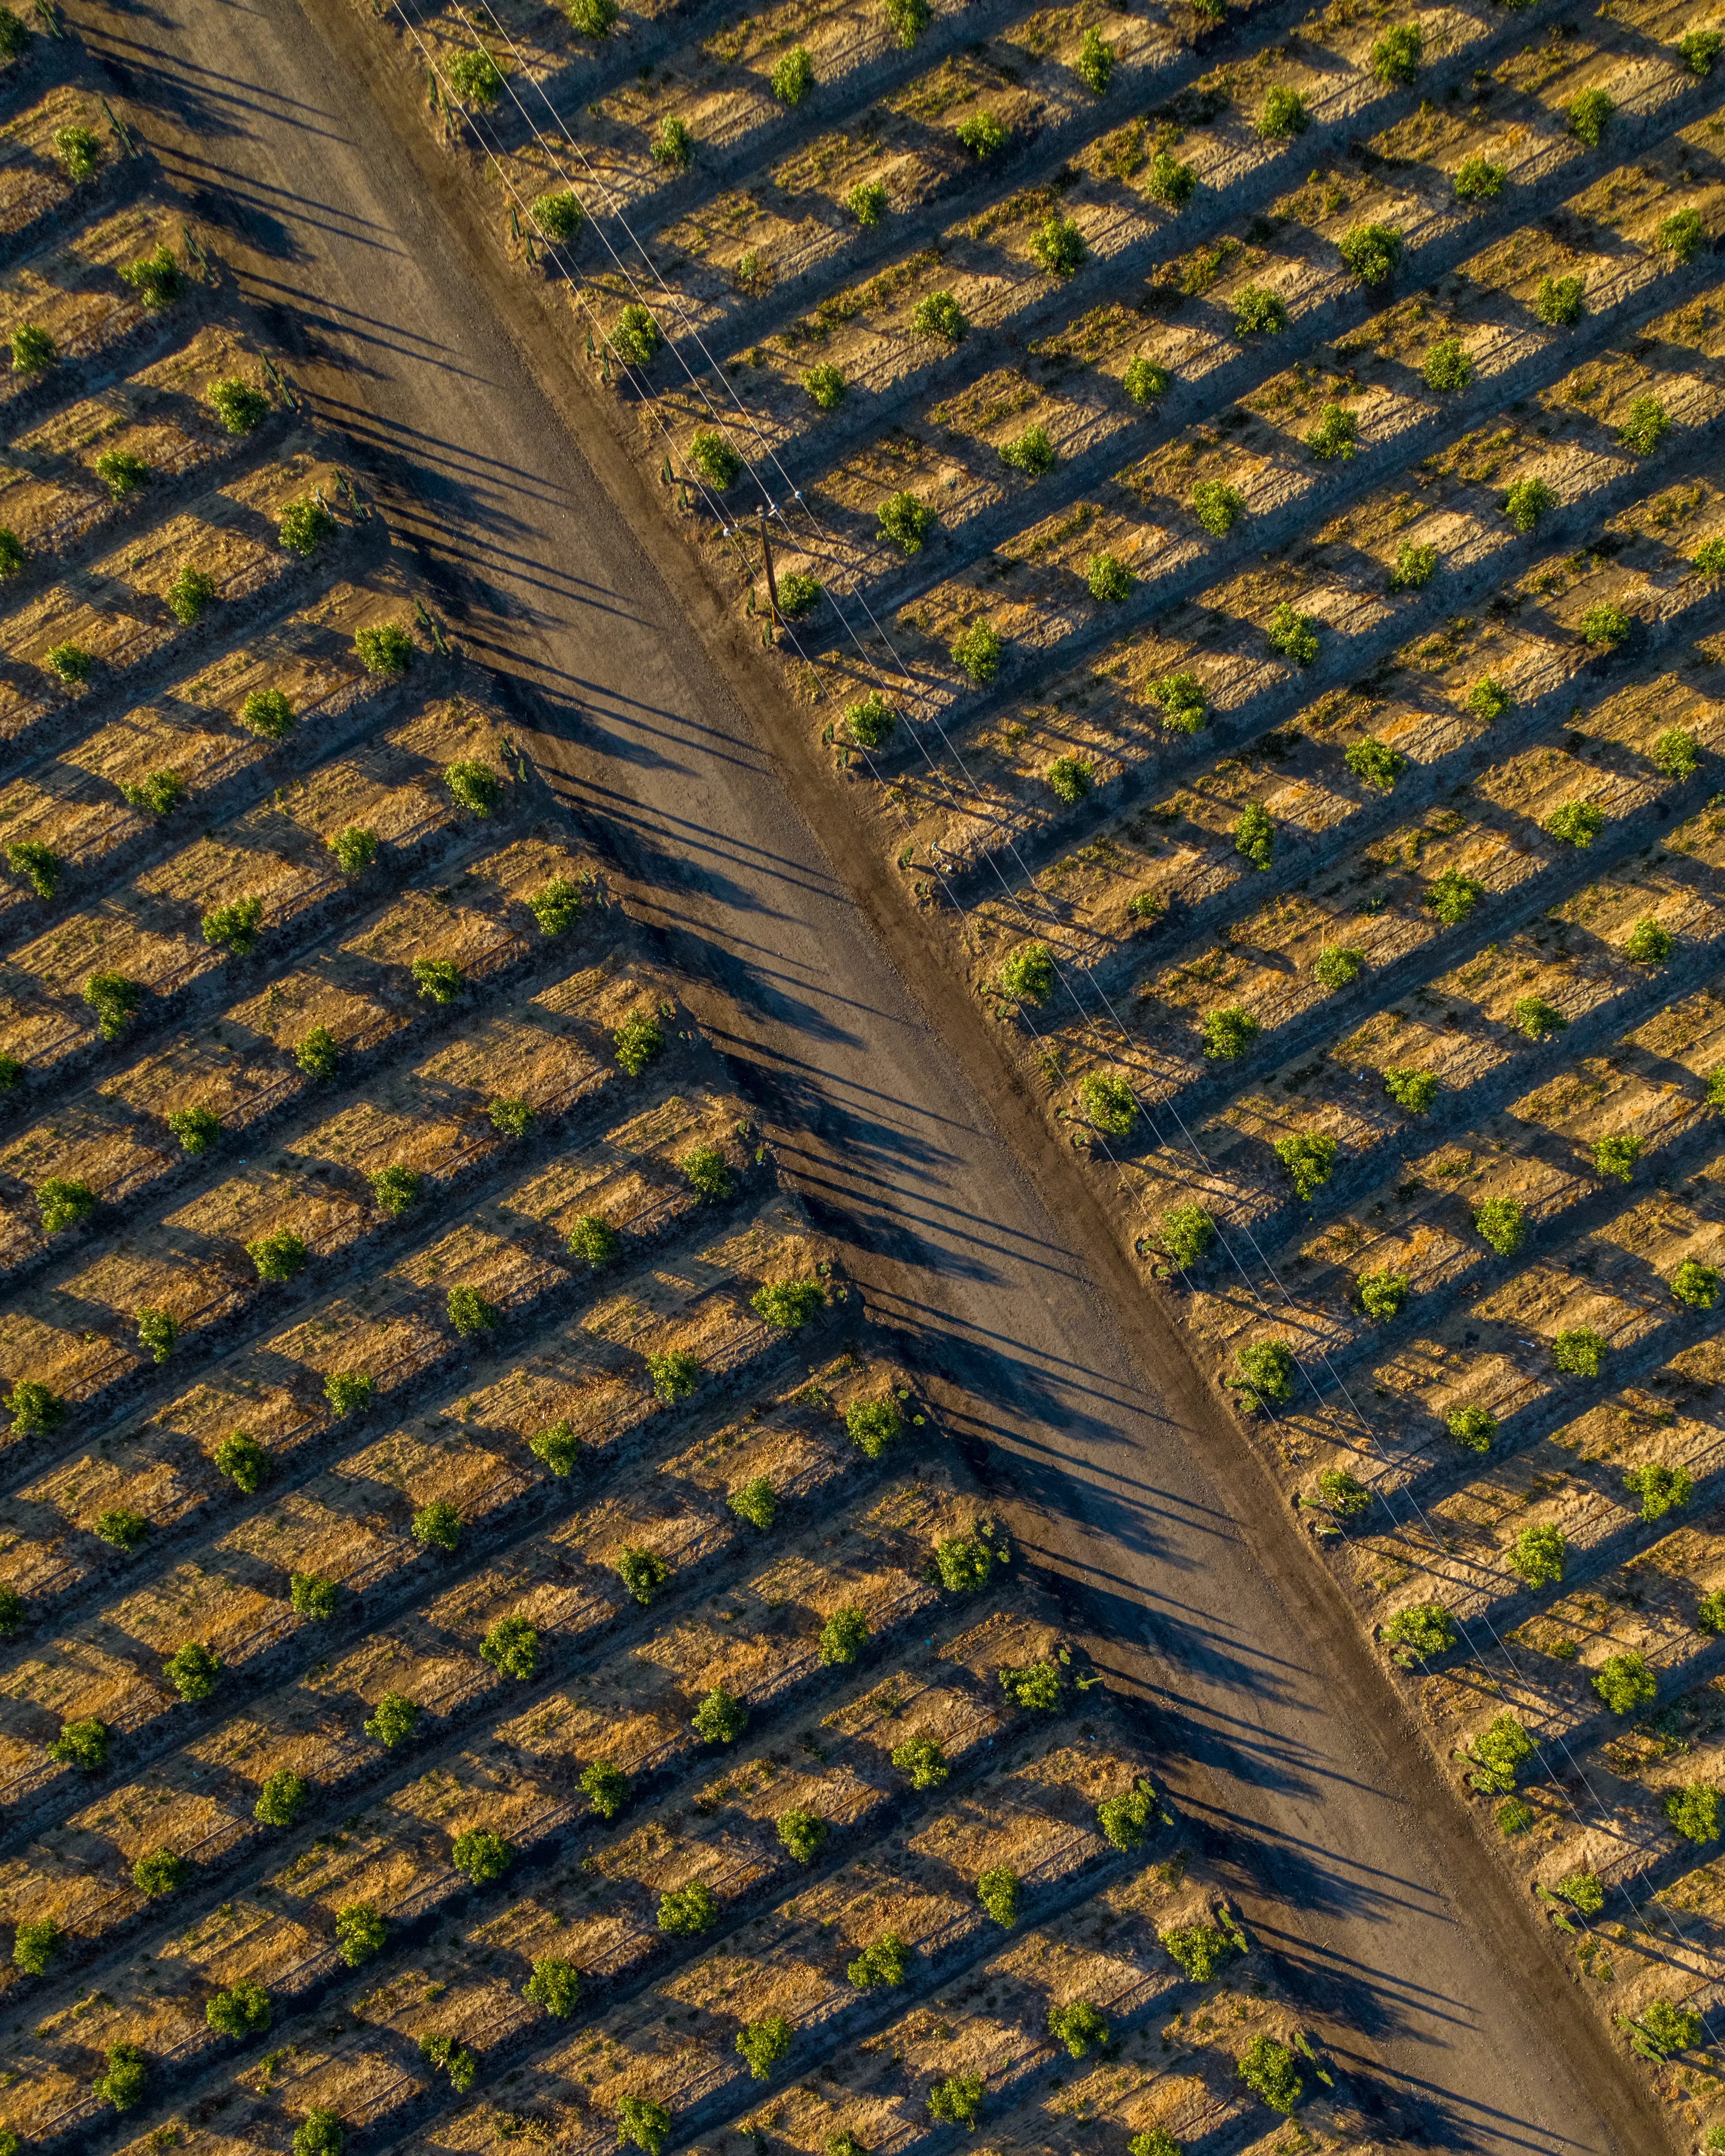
{"x":1243,"y":490}
{"x":493,"y":1649}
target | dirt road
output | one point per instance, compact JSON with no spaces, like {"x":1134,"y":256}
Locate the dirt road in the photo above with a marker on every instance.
{"x":1127,"y":1483}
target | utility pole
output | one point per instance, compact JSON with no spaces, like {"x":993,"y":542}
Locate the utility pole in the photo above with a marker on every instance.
{"x":766,"y":557}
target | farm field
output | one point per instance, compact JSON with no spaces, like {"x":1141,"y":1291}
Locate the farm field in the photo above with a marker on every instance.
{"x":1246,"y":528}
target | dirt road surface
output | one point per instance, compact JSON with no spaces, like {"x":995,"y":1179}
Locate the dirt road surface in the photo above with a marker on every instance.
{"x":297,"y":136}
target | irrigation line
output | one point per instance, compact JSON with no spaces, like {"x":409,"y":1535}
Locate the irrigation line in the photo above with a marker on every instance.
{"x":1414,"y":1508}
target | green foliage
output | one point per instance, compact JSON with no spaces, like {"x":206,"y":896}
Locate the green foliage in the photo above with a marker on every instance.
{"x":84,"y":1744}
{"x":319,"y":2134}
{"x":482,"y":1855}
{"x":1414,"y":567}
{"x":1625,"y":1682}
{"x":475,"y":77}
{"x":1095,"y":65}
{"x":196,"y":1128}
{"x":673,"y":147}
{"x":788,"y":1304}
{"x":511,"y":1647}
{"x":281,"y":1799}
{"x":1336,"y":964}
{"x":348,"y":1391}
{"x":1536,"y":1018}
{"x":1694,"y":1811}
{"x":825,"y":383}
{"x":34,"y":1944}
{"x":510,"y":1117}
{"x":1228,"y":1031}
{"x":1144,"y":380}
{"x":1217,"y":505}
{"x":1526,"y":501}
{"x":305,"y":526}
{"x":123,"y":1529}
{"x":360,"y":1933}
{"x":1293,"y":635}
{"x":33,"y":351}
{"x":1413,"y":1091}
{"x":1334,"y":435}
{"x":1677,"y":753}
{"x":1710,"y":1614}
{"x":1587,"y":115}
{"x":1255,"y":834}
{"x":1583,"y":1891}
{"x":1266,"y":1372}
{"x":1183,"y":701}
{"x":34,"y":1408}
{"x":907,"y":20}
{"x":643,"y":1572}
{"x":189,"y":594}
{"x":1696,"y":1284}
{"x":1059,"y":246}
{"x":122,"y":473}
{"x":1498,"y":1756}
{"x":234,"y":928}
{"x":903,"y":522}
{"x":1648,"y":943}
{"x":384,"y":648}
{"x":1489,"y":699}
{"x":1109,"y":578}
{"x":1396,"y":56}
{"x":11,"y":553}
{"x":956,"y":2100}
{"x":998,"y":1891}
{"x":1661,"y":1489}
{"x":125,"y":2080}
{"x":636,"y":338}
{"x":982,"y":134}
{"x":687,"y":1910}
{"x":279,"y":1256}
{"x":1645,"y":426}
{"x":438,"y":1526}
{"x":1124,"y":1820}
{"x":794,"y":76}
{"x":393,"y":1720}
{"x":606,"y":1788}
{"x":1258,"y":312}
{"x":558,"y":1446}
{"x":439,"y":980}
{"x":70,"y":663}
{"x":12,"y":1072}
{"x":193,"y":1670}
{"x":63,"y":1201}
{"x":871,"y":722}
{"x":938,"y":315}
{"x":1155,"y":2143}
{"x":802,"y":1834}
{"x":475,"y":787}
{"x":1109,"y":1102}
{"x":1502,"y":1223}
{"x":707,"y":1173}
{"x":241,"y":2010}
{"x":1033,"y":1685}
{"x":559,"y":215}
{"x":555,"y":1985}
{"x":964,"y":1563}
{"x":1422,"y":1629}
{"x":240,"y":406}
{"x":873,"y":1425}
{"x":1382,"y":1295}
{"x":394,"y":1189}
{"x":1538,"y":1556}
{"x":1309,"y":1157}
{"x":1699,"y":49}
{"x":643,"y":2124}
{"x":268,"y":714}
{"x":313,"y":1595}
{"x":456,"y":2060}
{"x":721,"y":1718}
{"x":842,"y":1636}
{"x":764,"y":2043}
{"x":715,"y":459}
{"x":159,"y":1872}
{"x":1283,"y":114}
{"x":1372,"y":251}
{"x":923,"y":1760}
{"x":1200,"y":1950}
{"x":1477,"y":179}
{"x":798,"y":592}
{"x":1186,"y":1235}
{"x":1616,"y":1157}
{"x":1447,"y":365}
{"x":636,"y":1042}
{"x":882,"y":1964}
{"x":39,"y":864}
{"x":1078,"y":2027}
{"x":1268,"y":2070}
{"x":1663,"y":2029}
{"x":1580,"y":1352}
{"x":977,"y":652}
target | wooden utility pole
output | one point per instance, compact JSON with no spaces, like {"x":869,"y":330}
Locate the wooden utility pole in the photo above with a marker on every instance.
{"x":766,"y":557}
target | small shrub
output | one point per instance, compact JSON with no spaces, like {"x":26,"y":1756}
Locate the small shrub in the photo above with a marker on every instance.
{"x":956,"y":2100}
{"x":1616,"y":1157}
{"x":511,"y":1647}
{"x":1696,"y":1284}
{"x":1059,"y":246}
{"x":1526,"y":501}
{"x":305,"y":526}
{"x":241,"y":2010}
{"x":843,"y":1637}
{"x":1144,"y":381}
{"x":1414,"y":1090}
{"x":70,"y":663}
{"x":1501,"y":1221}
{"x":1183,"y":701}
{"x":244,"y":1461}
{"x":794,"y":76}
{"x":1537,"y":1555}
{"x":1645,"y":426}
{"x":764,"y":2043}
{"x":867,"y":203}
{"x":123,"y":1529}
{"x":1625,"y":1682}
{"x":938,"y":315}
{"x":1580,"y":1353}
{"x":84,"y":1744}
{"x":278,"y":1257}
{"x":1396,"y":56}
{"x":606,"y":1789}
{"x":483,"y":1855}
{"x":1169,"y":182}
{"x":635,"y":338}
{"x":1477,"y":179}
{"x":319,"y":2134}
{"x":1109,"y":578}
{"x":674,"y":147}
{"x":1382,"y":1295}
{"x":636,"y":1043}
{"x":1536,"y":1018}
{"x":159,"y":1872}
{"x":881,"y":1964}
{"x":715,"y":459}
{"x":1095,"y":65}
{"x":1033,"y":1686}
{"x":349,"y":1392}
{"x":1255,"y":834}
{"x":1122,"y":1820}
{"x":1200,"y":1950}
{"x":873,"y":1425}
{"x":1283,"y":114}
{"x":963,"y":1563}
{"x":1336,"y":964}
{"x":281,"y":1799}
{"x":870,"y":723}
{"x":643,"y":1572}
{"x":1423,"y":1630}
{"x":234,"y":928}
{"x":1109,"y":1102}
{"x":193,"y":1670}
{"x":439,"y":980}
{"x":721,"y":1718}
{"x":643,"y":2124}
{"x":1267,"y":2068}
{"x":1217,"y":506}
{"x":1663,"y":2029}
{"x":923,"y":1760}
{"x":1258,"y":312}
{"x":475,"y":77}
{"x":826,"y":385}
{"x":1414,"y":567}
{"x":1228,"y":1031}
{"x":559,"y":215}
{"x":904,"y":522}
{"x":1676,"y":753}
{"x":1660,"y":1488}
{"x":1334,"y":435}
{"x":314,"y":1596}
{"x":1489,"y":699}
{"x":1078,"y":2027}
{"x":977,"y":652}
{"x":1648,"y":943}
{"x":1266,"y":1372}
{"x":557,"y":1446}
{"x":982,"y":134}
{"x":121,"y":472}
{"x":1309,"y":1157}
{"x":125,"y":2079}
{"x":1372,"y":251}
{"x":998,"y":1891}
{"x":475,"y":787}
{"x":393,"y":1721}
{"x":802,"y":1835}
{"x":438,"y":1526}
{"x":33,"y":351}
{"x":1587,"y":115}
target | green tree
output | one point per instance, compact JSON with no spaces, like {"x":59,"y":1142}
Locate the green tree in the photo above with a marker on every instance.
{"x":555,"y":1985}
{"x":672,"y":1374}
{"x":788,"y":1304}
{"x":1293,"y":635}
{"x":393,"y":1721}
{"x":1283,"y":114}
{"x":1396,"y":55}
{"x":1625,"y":1682}
{"x":241,"y":2010}
{"x":455,"y":2059}
{"x":34,"y":1945}
{"x":1171,"y":183}
{"x":123,"y":1529}
{"x":1268,"y":2070}
{"x":605,"y":1788}
{"x":1489,"y":699}
{"x":438,"y":1526}
{"x":687,"y":1910}
{"x":1478,"y":179}
{"x":1422,"y":1629}
{"x":1309,"y":1158}
{"x":469,"y":1312}
{"x":1616,"y":1157}
{"x":883,"y":1963}
{"x":867,"y":203}
{"x":1123,"y":1819}
{"x":305,"y":526}
{"x":1498,"y":1755}
{"x":642,"y":2123}
{"x":268,"y":714}
{"x":1266,"y":1372}
{"x":956,"y":2100}
{"x":39,"y":865}
{"x":482,"y":1855}
{"x":126,"y":2078}
{"x":794,"y":76}
{"x":33,"y":351}
{"x":707,"y":1173}
{"x":1217,"y":506}
{"x":1696,"y":1284}
{"x":159,"y":1872}
{"x":1255,"y":835}
{"x":1694,"y":1811}
{"x":721,"y":1718}
{"x":1473,"y":1428}
{"x":473,"y":786}
{"x":1186,"y":1234}
{"x":1681,"y":234}
{"x":278,"y":1257}
{"x":282,"y":1798}
{"x":1033,"y":1685}
{"x":1259,"y":312}
{"x":1108,"y":1101}
{"x":753,"y":1500}
{"x":558,"y":1447}
{"x":1375,"y":762}
{"x":873,"y":1425}
{"x":1649,"y":942}
{"x":1077,"y":2026}
{"x":317,"y":1053}
{"x":63,"y":1201}
{"x":1108,"y":579}
{"x":1335,"y":965}
{"x":158,"y":1330}
{"x":196,"y":1128}
{"x":998,"y":1891}
{"x":1660,"y":1488}
{"x":964,"y":1563}
{"x":674,"y":145}
{"x":938,"y":315}
{"x":1414,"y":1090}
{"x":1335,"y":434}
{"x":360,"y":1933}
{"x":1587,"y":115}
{"x":764,"y":2043}
{"x":802,"y":1833}
{"x":1200,"y":1950}
{"x":1228,"y":1031}
{"x":193,"y":1670}
{"x":1372,"y":251}
{"x":842,"y":1637}
{"x":976,"y":652}
{"x":319,"y":2134}
{"x":1538,"y":1556}
{"x":313,"y":1596}
{"x":511,"y":1647}
{"x":923,"y":1760}
{"x":1526,"y":500}
{"x":1344,"y":1494}
{"x":1181,"y":699}
{"x":1536,"y":1018}
{"x":84,"y":1744}
{"x":1447,"y":365}
{"x":1580,"y":1352}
